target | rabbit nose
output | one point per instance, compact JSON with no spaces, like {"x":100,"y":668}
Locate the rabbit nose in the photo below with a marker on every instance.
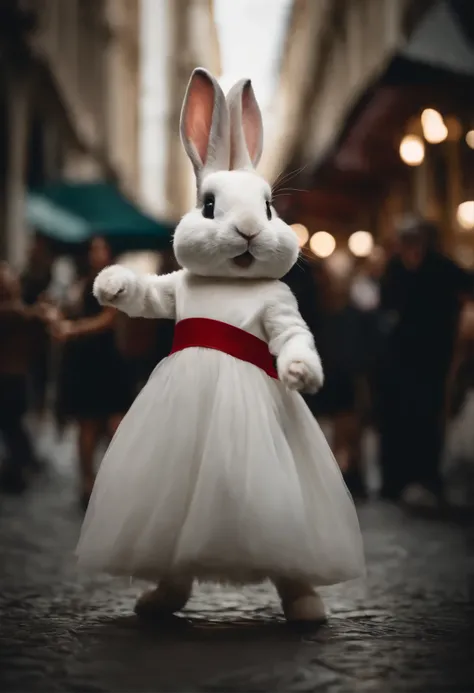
{"x":246,"y":234}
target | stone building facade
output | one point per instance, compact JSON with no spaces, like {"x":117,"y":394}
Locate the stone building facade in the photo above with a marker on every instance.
{"x":178,"y":35}
{"x":68,"y":100}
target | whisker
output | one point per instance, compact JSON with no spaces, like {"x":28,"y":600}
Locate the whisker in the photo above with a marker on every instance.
{"x":289,"y":175}
{"x":277,"y":181}
{"x":279,"y":177}
{"x":276,"y":197}
{"x":294,"y":190}
{"x":300,"y":257}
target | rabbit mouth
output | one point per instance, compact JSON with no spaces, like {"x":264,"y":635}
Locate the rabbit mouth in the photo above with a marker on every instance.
{"x":244,"y":261}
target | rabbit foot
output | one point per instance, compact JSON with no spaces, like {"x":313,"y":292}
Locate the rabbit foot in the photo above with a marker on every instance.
{"x":308,"y":609}
{"x":300,"y":602}
{"x":164,"y":600}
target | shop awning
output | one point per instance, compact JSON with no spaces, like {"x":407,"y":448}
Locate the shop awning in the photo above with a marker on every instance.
{"x":441,"y":40}
{"x":74,"y":212}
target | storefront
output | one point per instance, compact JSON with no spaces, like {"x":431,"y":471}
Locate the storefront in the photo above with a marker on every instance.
{"x":404,"y":144}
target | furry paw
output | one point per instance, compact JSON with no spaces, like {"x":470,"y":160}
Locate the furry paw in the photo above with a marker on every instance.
{"x":302,"y":375}
{"x":113,"y":284}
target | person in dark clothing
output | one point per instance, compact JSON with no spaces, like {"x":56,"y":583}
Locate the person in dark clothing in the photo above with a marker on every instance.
{"x":35,"y":281}
{"x":37,"y":275}
{"x":94,"y":390}
{"x":22,"y":328}
{"x":341,"y":343}
{"x":421,"y":294}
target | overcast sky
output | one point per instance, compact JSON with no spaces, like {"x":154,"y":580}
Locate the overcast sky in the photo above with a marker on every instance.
{"x":250,"y":35}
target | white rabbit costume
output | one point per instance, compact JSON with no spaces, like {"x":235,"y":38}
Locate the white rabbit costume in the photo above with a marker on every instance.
{"x":219,"y":470}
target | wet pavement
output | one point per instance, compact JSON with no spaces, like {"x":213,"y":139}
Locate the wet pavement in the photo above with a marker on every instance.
{"x":408,"y":628}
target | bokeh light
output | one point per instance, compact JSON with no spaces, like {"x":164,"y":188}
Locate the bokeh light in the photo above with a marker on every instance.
{"x":361,"y":243}
{"x":412,"y":150}
{"x":465,"y":215}
{"x":434,"y":127}
{"x":322,"y":244}
{"x":302,"y":234}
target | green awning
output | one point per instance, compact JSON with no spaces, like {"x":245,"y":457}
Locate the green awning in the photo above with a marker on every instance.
{"x":74,"y":212}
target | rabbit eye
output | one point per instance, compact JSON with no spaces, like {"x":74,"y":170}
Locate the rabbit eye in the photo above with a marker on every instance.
{"x":269,"y":210}
{"x":208,"y":206}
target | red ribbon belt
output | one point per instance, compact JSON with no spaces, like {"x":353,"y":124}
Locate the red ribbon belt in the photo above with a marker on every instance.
{"x":213,"y":334}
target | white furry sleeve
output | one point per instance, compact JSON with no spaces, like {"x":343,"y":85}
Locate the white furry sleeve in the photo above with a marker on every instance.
{"x":290,"y":340}
{"x":139,"y":296}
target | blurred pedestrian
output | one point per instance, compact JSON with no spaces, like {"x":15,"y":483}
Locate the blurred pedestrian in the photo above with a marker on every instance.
{"x":38,"y":273}
{"x":94,"y":388}
{"x":365,"y":297}
{"x":421,"y":296}
{"x":35,"y":282}
{"x":340,"y":336}
{"x":22,"y":329}
{"x":365,"y":287}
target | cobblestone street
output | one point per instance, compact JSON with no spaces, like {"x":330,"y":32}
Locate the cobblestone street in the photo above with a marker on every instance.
{"x":408,"y":629}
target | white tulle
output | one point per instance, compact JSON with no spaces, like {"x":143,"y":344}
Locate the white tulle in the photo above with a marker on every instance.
{"x":219,"y":472}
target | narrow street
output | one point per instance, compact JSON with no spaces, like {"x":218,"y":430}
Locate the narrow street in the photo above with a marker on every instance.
{"x":408,"y":629}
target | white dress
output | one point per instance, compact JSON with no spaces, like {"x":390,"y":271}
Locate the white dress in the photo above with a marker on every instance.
{"x":218,"y":471}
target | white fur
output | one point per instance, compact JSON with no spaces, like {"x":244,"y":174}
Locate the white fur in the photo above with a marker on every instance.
{"x":289,"y":338}
{"x":204,"y":125}
{"x":208,"y":246}
{"x":139,"y":296}
{"x":219,"y":472}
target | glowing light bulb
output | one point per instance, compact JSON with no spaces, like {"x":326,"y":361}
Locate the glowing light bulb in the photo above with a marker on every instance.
{"x":436,"y":133}
{"x":361,"y":243}
{"x":434,"y":127}
{"x":465,"y":215}
{"x":430,"y":117}
{"x":322,"y":244}
{"x":412,"y":150}
{"x":470,"y":139}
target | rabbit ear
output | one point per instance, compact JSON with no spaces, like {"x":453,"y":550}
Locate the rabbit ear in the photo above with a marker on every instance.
{"x":246,"y":128}
{"x":204,"y":124}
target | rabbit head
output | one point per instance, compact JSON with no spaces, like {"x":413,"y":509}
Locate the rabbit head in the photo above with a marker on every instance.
{"x":233,"y":231}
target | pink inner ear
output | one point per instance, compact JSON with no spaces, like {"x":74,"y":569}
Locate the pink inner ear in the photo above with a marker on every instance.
{"x":199,"y":110}
{"x":250,"y":122}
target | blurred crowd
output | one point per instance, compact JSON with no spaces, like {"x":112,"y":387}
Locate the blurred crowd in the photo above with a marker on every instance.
{"x":395,"y":332}
{"x":62,"y":353}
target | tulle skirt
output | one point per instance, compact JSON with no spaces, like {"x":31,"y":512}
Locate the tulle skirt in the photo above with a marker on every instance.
{"x":220,"y":473}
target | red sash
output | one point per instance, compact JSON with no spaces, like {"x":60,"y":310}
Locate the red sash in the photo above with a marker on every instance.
{"x":213,"y":334}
